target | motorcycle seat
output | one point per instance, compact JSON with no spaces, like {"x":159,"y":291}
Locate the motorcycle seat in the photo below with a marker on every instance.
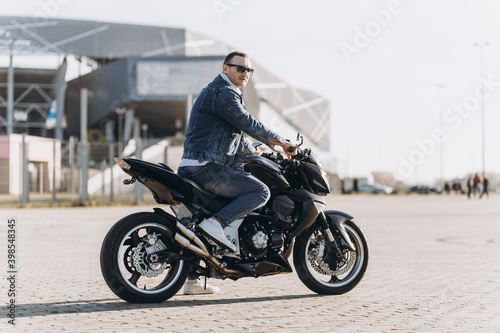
{"x":166,"y":167}
{"x":207,"y":199}
{"x":196,"y":186}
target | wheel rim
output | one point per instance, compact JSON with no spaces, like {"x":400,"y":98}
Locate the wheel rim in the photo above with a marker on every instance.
{"x":144,"y":277}
{"x":343,"y":275}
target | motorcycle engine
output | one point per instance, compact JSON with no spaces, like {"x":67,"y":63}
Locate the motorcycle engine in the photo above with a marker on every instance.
{"x":254,"y":238}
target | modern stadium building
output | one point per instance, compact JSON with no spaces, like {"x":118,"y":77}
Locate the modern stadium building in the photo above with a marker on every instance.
{"x":131,"y":74}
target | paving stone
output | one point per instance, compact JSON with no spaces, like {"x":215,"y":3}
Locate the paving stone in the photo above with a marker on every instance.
{"x":433,"y":267}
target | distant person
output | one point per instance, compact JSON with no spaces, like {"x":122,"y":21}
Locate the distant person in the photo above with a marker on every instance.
{"x":469,"y":186}
{"x":475,"y":183}
{"x":446,"y":188}
{"x":355,"y":187}
{"x":485,"y":188}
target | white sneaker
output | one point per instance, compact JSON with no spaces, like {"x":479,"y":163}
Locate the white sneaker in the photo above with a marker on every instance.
{"x":213,"y":229}
{"x":198,"y":287}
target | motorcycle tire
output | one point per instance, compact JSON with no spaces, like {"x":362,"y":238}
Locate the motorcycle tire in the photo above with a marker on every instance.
{"x":325,"y":277}
{"x":124,"y":263}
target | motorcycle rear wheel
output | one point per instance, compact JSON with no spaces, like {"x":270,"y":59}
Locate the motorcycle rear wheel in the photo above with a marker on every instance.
{"x":124,"y":263}
{"x":318,"y":275}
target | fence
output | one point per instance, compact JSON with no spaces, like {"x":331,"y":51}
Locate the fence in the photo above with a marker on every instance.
{"x":34,"y":169}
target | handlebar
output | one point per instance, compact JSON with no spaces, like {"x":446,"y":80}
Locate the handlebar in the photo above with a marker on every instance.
{"x":300,"y":152}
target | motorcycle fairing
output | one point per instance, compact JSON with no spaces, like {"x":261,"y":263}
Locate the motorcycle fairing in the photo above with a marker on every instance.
{"x":310,"y":209}
{"x":272,"y":265}
{"x":317,"y":179}
{"x":166,"y":186}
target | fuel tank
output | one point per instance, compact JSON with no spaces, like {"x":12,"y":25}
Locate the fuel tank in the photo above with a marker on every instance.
{"x":268,"y":172}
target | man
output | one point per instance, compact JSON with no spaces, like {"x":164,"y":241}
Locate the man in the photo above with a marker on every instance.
{"x":485,"y":188}
{"x":475,"y":184}
{"x":215,"y":147}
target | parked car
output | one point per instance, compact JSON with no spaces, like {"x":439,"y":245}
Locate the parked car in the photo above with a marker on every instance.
{"x":422,"y":189}
{"x":375,"y":188}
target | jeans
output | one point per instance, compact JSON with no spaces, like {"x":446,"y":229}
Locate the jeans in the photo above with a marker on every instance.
{"x":248,"y":192}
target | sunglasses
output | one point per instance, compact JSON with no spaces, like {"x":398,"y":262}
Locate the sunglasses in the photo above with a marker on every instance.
{"x":242,"y":69}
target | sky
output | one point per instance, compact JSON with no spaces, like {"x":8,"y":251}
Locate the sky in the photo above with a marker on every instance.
{"x":403,"y":77}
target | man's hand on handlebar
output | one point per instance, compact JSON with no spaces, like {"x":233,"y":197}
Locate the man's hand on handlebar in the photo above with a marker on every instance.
{"x":289,"y":149}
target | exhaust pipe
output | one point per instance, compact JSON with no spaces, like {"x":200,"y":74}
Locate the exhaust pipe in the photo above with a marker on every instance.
{"x":192,"y":237}
{"x":187,"y":244}
{"x":200,"y":250}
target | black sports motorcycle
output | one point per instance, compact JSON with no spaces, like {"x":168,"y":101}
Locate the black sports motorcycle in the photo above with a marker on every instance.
{"x":146,"y":256}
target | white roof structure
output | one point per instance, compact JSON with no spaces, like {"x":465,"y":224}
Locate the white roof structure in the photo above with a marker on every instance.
{"x":280,"y":106}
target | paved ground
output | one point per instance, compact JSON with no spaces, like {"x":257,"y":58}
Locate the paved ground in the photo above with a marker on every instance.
{"x":434,"y":267}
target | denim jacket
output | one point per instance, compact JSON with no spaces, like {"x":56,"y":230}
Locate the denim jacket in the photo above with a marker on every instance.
{"x":216,"y":127}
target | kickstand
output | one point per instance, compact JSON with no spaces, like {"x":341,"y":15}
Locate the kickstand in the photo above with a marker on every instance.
{"x":205,"y":286}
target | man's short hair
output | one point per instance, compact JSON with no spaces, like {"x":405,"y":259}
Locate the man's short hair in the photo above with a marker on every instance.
{"x":234,"y":54}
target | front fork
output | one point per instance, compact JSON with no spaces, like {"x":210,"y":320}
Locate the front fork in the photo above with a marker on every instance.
{"x":326,"y":228}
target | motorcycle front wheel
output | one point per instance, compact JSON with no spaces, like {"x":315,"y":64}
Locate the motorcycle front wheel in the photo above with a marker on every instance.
{"x":319,"y":272}
{"x":126,"y":263}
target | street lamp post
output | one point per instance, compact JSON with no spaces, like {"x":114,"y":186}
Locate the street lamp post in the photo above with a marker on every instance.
{"x":120,"y":112}
{"x":441,"y":125}
{"x":144,"y":128}
{"x":481,"y":47}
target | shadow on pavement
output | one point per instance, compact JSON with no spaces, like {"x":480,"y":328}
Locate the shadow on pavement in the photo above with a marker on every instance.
{"x":116,"y":304}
